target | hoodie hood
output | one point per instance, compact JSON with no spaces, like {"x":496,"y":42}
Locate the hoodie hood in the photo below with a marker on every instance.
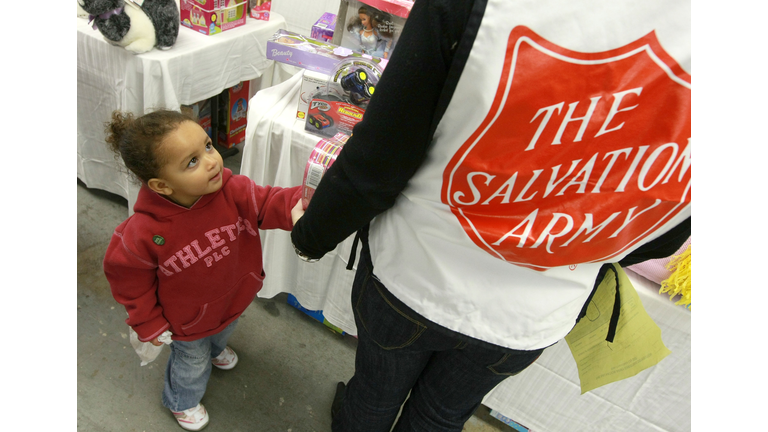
{"x":152,"y":203}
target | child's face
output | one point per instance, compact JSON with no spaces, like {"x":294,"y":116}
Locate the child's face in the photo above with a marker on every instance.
{"x":194,"y":166}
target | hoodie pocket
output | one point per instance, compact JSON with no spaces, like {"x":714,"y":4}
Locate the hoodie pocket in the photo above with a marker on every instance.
{"x":212,"y":314}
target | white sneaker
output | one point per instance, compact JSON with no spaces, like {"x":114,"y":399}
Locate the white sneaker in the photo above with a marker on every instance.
{"x":192,"y":419}
{"x":226,"y":360}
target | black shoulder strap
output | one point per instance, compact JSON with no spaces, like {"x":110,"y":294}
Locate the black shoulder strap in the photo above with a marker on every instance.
{"x":601,"y":275}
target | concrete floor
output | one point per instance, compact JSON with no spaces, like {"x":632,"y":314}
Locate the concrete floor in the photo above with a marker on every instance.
{"x":285,"y":380}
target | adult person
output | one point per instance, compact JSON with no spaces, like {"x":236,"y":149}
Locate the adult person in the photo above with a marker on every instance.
{"x":511,"y":151}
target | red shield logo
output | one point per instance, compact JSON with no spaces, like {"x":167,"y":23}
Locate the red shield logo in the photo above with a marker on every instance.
{"x":581,"y":156}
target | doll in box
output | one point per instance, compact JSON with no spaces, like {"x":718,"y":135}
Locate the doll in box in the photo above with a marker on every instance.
{"x":371,"y":31}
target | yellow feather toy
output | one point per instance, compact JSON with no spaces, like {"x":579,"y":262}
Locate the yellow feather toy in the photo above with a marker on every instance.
{"x":679,"y":282}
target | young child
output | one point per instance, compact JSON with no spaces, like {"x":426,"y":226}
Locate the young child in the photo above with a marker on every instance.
{"x":189,"y":259}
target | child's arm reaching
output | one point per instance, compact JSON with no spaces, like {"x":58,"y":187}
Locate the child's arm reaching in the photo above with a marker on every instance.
{"x":297,"y":212}
{"x":277,"y":206}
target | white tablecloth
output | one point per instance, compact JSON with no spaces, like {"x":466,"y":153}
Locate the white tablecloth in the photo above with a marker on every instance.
{"x":546,"y":397}
{"x":195,"y":68}
{"x":275,"y":153}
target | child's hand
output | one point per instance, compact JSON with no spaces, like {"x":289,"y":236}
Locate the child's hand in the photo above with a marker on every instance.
{"x":297,"y":211}
{"x":155,"y":342}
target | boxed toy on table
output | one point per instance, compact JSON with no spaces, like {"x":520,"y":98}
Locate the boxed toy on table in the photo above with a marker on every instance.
{"x":297,"y":50}
{"x":340,"y":104}
{"x":318,"y":315}
{"x":321,"y":158}
{"x":233,"y":112}
{"x":371,"y":26}
{"x":212,"y":16}
{"x":201,"y":112}
{"x":311,"y":83}
{"x":323,"y":28}
{"x":260,"y":9}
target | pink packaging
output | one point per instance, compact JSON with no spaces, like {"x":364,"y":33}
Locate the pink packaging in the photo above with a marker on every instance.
{"x":321,"y":158}
{"x":212,"y":16}
{"x":260,"y":9}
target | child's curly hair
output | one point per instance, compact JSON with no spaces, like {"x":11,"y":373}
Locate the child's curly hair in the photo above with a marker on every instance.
{"x":138,"y":140}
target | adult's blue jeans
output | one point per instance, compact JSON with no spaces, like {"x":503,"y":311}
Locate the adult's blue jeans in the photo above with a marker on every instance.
{"x":401,"y":353}
{"x":189,"y":368}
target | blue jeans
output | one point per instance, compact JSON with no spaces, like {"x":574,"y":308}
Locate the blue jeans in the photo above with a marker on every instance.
{"x":189,"y":367}
{"x":401,"y":353}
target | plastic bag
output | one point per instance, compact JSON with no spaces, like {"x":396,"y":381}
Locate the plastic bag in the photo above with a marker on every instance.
{"x":146,"y":350}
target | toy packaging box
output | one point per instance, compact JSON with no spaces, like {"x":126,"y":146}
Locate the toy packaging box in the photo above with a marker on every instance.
{"x":340,"y":104}
{"x":233,"y":114}
{"x":508,"y":421}
{"x":297,"y":50}
{"x":201,"y":112}
{"x":318,"y":315}
{"x":323,"y":29}
{"x":311,"y":83}
{"x":212,"y":16}
{"x":260,"y":9}
{"x":371,"y":27}
{"x":327,"y":117}
{"x":321,"y":158}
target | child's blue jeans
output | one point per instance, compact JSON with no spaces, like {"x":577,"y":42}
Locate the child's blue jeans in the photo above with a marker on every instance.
{"x":189,"y":367}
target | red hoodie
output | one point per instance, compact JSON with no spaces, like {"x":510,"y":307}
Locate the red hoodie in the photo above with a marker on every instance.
{"x":194,"y":270}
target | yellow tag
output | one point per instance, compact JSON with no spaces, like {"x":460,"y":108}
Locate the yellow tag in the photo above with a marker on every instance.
{"x":636,"y":346}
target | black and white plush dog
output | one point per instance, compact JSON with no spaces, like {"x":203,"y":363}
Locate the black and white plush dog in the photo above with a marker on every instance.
{"x":136,"y":25}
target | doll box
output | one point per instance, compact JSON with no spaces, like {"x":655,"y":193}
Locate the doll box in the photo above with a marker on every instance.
{"x":371,"y":27}
{"x":310,"y":84}
{"x":210,"y":17}
{"x":297,"y":50}
{"x":233,"y":114}
{"x":323,"y":28}
{"x":260,"y":9}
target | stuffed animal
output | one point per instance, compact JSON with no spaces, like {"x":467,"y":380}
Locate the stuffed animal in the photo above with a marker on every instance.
{"x":136,"y":25}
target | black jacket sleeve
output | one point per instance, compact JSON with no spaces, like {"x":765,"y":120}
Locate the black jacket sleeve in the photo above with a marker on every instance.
{"x":391,"y":141}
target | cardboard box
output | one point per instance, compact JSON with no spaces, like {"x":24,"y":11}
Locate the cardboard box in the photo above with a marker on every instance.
{"x":508,"y":421}
{"x":383,"y":19}
{"x":212,"y":16}
{"x":297,"y":50}
{"x":323,"y":28}
{"x":201,"y":112}
{"x":310,"y":84}
{"x":260,"y":9}
{"x":233,"y":114}
{"x":317,"y":315}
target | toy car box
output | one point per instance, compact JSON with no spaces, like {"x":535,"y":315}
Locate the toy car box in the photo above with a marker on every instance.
{"x":297,"y":50}
{"x":233,"y":114}
{"x":323,"y":29}
{"x":260,"y":9}
{"x":212,"y":16}
{"x":327,"y":117}
{"x":371,"y":27}
{"x":310,"y":84}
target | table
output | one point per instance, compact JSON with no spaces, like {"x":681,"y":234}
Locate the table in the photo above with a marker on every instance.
{"x":197,"y":67}
{"x":275,"y":153}
{"x":544,"y":397}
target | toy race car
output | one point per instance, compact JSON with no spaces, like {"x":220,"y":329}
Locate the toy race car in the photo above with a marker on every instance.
{"x":320,"y":120}
{"x":358,"y":85}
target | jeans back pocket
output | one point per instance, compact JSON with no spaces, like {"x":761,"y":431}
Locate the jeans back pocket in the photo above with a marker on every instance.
{"x":388,"y":326}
